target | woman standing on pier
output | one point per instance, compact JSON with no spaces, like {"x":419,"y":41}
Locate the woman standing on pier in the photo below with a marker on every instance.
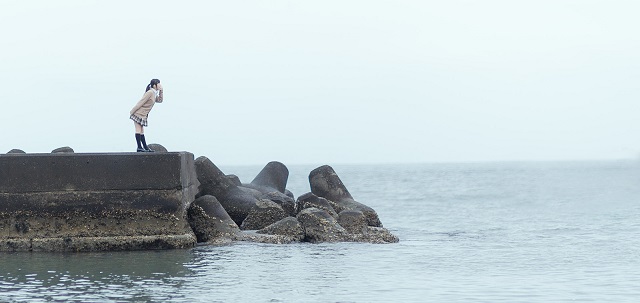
{"x":140,"y":112}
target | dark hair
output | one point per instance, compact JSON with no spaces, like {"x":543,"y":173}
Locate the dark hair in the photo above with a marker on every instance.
{"x":152,"y":83}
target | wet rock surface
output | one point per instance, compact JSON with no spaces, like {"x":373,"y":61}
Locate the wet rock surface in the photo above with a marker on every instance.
{"x":254,"y":236}
{"x":320,"y":226}
{"x":309,"y":200}
{"x":212,"y":180}
{"x":287,"y":230}
{"x":210,"y":222}
{"x":325,"y":183}
{"x":354,"y":221}
{"x":378,"y":235}
{"x":265,"y":213}
{"x":238,"y":204}
{"x":288,"y":226}
{"x":236,"y":201}
{"x":287,"y":203}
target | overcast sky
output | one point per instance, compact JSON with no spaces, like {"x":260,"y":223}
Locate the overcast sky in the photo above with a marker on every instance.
{"x":326,"y":82}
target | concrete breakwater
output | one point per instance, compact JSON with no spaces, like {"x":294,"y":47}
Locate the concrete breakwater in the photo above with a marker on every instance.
{"x":91,"y":202}
{"x":132,"y":201}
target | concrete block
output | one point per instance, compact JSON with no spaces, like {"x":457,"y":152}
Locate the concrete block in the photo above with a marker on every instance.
{"x":86,"y":202}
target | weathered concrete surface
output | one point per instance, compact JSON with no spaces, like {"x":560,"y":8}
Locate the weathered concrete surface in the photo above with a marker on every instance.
{"x":88,"y":202}
{"x":158,"y":148}
{"x":325,"y":183}
{"x":210,"y":222}
{"x":214,"y":182}
{"x":265,"y":213}
{"x":354,"y":221}
{"x":289,"y":227}
{"x":234,"y":180}
{"x":287,"y":203}
{"x":64,"y":149}
{"x":262,"y":192}
{"x":320,"y":226}
{"x":274,"y":175}
{"x":309,"y":200}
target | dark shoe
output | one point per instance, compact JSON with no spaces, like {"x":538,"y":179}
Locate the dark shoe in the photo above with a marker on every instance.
{"x":140,"y":150}
{"x":149,"y":150}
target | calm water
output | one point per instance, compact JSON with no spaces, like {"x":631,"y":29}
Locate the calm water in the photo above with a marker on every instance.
{"x":510,"y":232}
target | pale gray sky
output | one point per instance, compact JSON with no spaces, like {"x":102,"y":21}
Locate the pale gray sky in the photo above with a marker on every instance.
{"x":316,"y":82}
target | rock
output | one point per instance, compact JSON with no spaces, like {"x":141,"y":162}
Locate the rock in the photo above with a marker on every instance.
{"x":288,"y":226}
{"x":309,"y":200}
{"x":378,"y":235}
{"x":325,"y":183}
{"x":289,"y":194}
{"x":210,"y":222}
{"x":261,"y":189}
{"x":263,"y":192}
{"x":287,"y":203}
{"x":273,"y":175}
{"x":337,"y":207}
{"x":353,"y":221}
{"x":271,"y":184}
{"x":157,"y":148}
{"x":212,"y":180}
{"x":264,"y":214}
{"x":319,"y":226}
{"x":238,"y":204}
{"x":65,"y":149}
{"x":372,"y":216}
{"x":251,"y":191}
{"x":374,"y":235}
{"x":16,"y":151}
{"x":254,"y":236}
{"x":351,"y":226}
{"x":236,"y":201}
{"x":235,"y":180}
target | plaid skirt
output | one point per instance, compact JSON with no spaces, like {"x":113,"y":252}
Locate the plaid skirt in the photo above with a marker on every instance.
{"x":138,"y":120}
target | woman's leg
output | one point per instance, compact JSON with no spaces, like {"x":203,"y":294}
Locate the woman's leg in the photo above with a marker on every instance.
{"x":139,"y":128}
{"x":144,"y":143}
{"x":139,"y":131}
{"x":140,"y":137}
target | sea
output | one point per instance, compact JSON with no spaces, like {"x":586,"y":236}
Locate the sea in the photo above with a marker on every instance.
{"x":469,"y":232}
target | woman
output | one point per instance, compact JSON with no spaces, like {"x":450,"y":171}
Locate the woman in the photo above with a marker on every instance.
{"x":140,"y":112}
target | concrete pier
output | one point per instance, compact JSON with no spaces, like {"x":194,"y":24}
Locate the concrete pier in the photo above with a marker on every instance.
{"x":92,"y":202}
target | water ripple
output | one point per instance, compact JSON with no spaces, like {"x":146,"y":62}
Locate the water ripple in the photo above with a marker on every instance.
{"x":469,"y":233}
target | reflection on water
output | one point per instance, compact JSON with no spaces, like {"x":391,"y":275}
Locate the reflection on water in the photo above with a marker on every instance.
{"x":86,"y":277}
